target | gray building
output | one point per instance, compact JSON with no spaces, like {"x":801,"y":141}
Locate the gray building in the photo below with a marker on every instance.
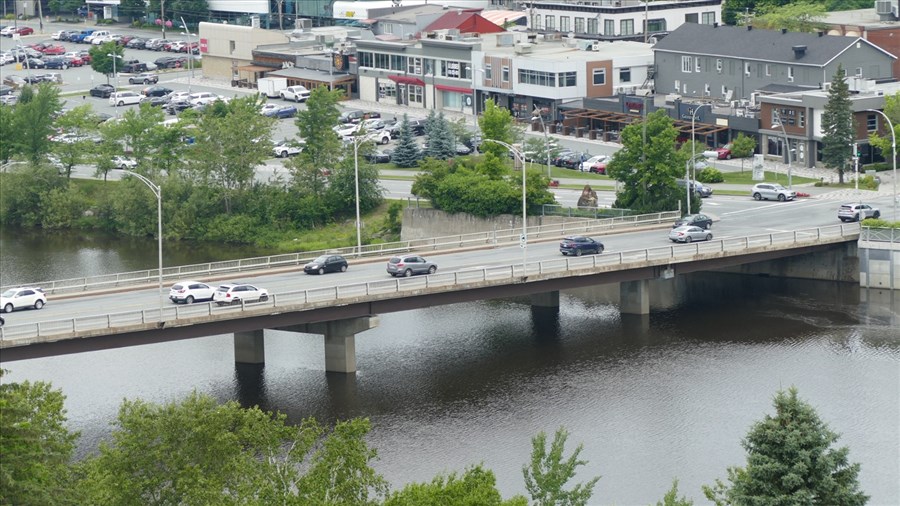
{"x":730,"y":63}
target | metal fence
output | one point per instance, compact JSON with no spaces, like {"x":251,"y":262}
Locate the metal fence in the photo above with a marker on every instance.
{"x":585,"y":212}
{"x":477,"y":239}
{"x":438,"y":282}
{"x":880,"y":234}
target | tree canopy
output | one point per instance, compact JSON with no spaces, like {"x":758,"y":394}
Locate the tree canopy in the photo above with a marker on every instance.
{"x":837,"y":125}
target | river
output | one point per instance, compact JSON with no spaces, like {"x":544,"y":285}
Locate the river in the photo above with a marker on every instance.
{"x":652,"y":399}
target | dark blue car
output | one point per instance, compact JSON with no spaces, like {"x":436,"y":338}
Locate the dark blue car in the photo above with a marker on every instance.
{"x":578,"y":245}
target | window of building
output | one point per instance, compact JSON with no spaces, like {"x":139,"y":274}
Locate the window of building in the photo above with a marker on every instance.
{"x":429,"y":66}
{"x":231,"y":46}
{"x":599,"y":77}
{"x":625,"y":75}
{"x":565,"y":23}
{"x":686,"y":64}
{"x":656,"y":25}
{"x":364,"y":58}
{"x":801,"y":119}
{"x":677,"y":86}
{"x":387,"y":27}
{"x":791,"y":74}
{"x":416,"y":94}
{"x":626,"y":27}
{"x":414,"y":65}
{"x":871,"y":122}
{"x":451,"y":99}
{"x":747,"y":68}
{"x":719,"y":65}
{"x":858,"y":71}
{"x":537,"y":22}
{"x":579,"y":25}
{"x":386,"y":89}
{"x":488,"y":72}
{"x":568,"y":79}
{"x":593,"y":26}
{"x":537,"y":77}
{"x":707,"y":91}
{"x":724,"y":91}
{"x":609,"y":27}
{"x":398,"y":62}
{"x":504,"y":76}
{"x":698,"y":64}
{"x":550,"y":23}
{"x":456,"y":69}
{"x":709,"y":18}
{"x":768,"y":70}
{"x":382,"y":61}
{"x":691,"y":18}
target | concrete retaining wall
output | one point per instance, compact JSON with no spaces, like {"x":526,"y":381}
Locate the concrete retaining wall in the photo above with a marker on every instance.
{"x":840,"y":263}
{"x":424,"y":223}
{"x":879,"y":265}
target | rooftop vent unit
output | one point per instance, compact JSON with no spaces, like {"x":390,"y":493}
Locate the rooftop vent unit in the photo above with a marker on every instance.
{"x":799,"y":51}
{"x":887,"y":9}
{"x":523,"y":48}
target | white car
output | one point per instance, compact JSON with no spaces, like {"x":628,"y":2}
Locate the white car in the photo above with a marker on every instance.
{"x":202,"y":97}
{"x":345,"y":130}
{"x":295,"y":93}
{"x":8,"y":31}
{"x":55,"y":35}
{"x":239,"y":293}
{"x":284,"y":149}
{"x":121,"y":98}
{"x":189,"y":292}
{"x":22,"y":297}
{"x":587,"y":164}
{"x":377,"y":136}
{"x":123,"y":162}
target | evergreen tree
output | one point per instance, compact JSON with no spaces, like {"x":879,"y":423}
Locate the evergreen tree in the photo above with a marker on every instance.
{"x":406,"y":154}
{"x":790,"y":461}
{"x":441,"y":143}
{"x":837,"y":125}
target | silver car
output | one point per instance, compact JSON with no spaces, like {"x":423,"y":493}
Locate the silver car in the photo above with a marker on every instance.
{"x":407,"y":265}
{"x":857,"y":212}
{"x":772,"y":191}
{"x":689,"y":233}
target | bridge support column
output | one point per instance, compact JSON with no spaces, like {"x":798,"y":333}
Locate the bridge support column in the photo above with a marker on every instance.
{"x":249,"y":347}
{"x":546,"y":299}
{"x":634,"y":297}
{"x":340,"y":340}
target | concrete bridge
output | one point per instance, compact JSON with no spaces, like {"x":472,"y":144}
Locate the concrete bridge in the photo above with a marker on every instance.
{"x":340,"y":312}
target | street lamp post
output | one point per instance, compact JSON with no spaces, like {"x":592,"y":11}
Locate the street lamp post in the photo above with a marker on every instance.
{"x":894,"y":149}
{"x":539,"y":116}
{"x":157,"y":191}
{"x":523,"y":240}
{"x":357,"y":139}
{"x":115,"y":57}
{"x":190,"y":52}
{"x":787,"y":147}
{"x":687,"y":179}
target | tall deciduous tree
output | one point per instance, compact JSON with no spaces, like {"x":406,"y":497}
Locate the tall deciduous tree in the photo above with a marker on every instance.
{"x":883,"y":142}
{"x":837,"y":125}
{"x":798,"y":16}
{"x":35,"y":446}
{"x":549,"y":471}
{"x":790,"y":460}
{"x":322,"y":147}
{"x":496,"y":123}
{"x":102,"y":62}
{"x":33,"y":121}
{"x":648,"y":170}
{"x":406,"y":154}
{"x":80,"y":122}
{"x":743,"y":146}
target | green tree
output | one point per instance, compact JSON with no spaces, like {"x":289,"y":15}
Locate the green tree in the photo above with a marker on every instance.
{"x":340,"y":195}
{"x":23,"y":193}
{"x":883,"y":143}
{"x":548,"y":472}
{"x":322,"y":147}
{"x":103,"y":63}
{"x":476,"y":487}
{"x":406,"y":154}
{"x":496,"y":123}
{"x":790,"y":460}
{"x":35,"y":445}
{"x":648,"y":171}
{"x":193,"y":11}
{"x":671,"y":498}
{"x":155,"y":147}
{"x":797,"y":16}
{"x":837,"y":125}
{"x":230,"y":146}
{"x":541,"y":149}
{"x":58,"y":7}
{"x":33,"y":121}
{"x":79,"y":122}
{"x":7,"y":126}
{"x":743,"y":146}
{"x":462,"y":130}
{"x":133,"y":8}
{"x":440,"y":143}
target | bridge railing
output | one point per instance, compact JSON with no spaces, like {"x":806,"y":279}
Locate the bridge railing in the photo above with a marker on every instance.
{"x":873,"y":234}
{"x":15,"y":335}
{"x":490,"y":238}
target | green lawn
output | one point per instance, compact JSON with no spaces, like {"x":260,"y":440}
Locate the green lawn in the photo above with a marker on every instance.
{"x":746,"y":177}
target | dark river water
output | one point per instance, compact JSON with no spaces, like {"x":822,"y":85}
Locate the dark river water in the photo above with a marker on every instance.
{"x":652,"y":399}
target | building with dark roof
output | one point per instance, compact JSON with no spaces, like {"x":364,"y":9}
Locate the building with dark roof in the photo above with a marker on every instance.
{"x":730,"y":63}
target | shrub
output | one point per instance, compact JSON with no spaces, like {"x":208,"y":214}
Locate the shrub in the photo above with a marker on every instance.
{"x":710,"y":175}
{"x":868,"y":182}
{"x":878,"y":167}
{"x":872,"y":222}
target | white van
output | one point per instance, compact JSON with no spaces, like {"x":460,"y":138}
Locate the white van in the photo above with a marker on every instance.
{"x":96,"y":35}
{"x":296,"y":93}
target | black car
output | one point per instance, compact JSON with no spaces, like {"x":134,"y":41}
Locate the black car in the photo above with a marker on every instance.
{"x":178,"y":106}
{"x":357,"y":116}
{"x":578,"y":245}
{"x":134,"y":67}
{"x":66,"y":35}
{"x":417,"y":126}
{"x":379,"y":156}
{"x":698,"y":220}
{"x":34,"y":63}
{"x":170,"y":62}
{"x":102,"y":90}
{"x":155,"y":91}
{"x":137,"y":43}
{"x":571,"y":160}
{"x":155,"y":101}
{"x":57,"y":62}
{"x":326,"y":263}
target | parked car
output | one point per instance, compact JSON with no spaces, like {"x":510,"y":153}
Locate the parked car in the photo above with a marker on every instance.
{"x":188,"y":292}
{"x":588,"y":165}
{"x":407,"y":265}
{"x":202,"y":97}
{"x":9,"y":99}
{"x":23,"y":30}
{"x":278,"y":111}
{"x":155,"y":101}
{"x":572,"y":160}
{"x":56,"y":35}
{"x":177,"y":105}
{"x":237,"y":293}
{"x":326,"y":263}
{"x":170,"y":62}
{"x":462,"y":149}
{"x":74,"y":59}
{"x":35,"y":63}
{"x":121,"y":98}
{"x":698,"y":220}
{"x":102,"y":90}
{"x":155,"y":44}
{"x":724,"y":153}
{"x":57,"y":62}
{"x":136,"y":43}
{"x":857,"y":212}
{"x":689,"y":233}
{"x":578,"y":245}
{"x":21,"y":298}
{"x":703,"y":191}
{"x":155,"y":91}
{"x":66,"y":35}
{"x":295,"y":93}
{"x":145,"y":78}
{"x":416,"y":125}
{"x":357,"y":116}
{"x":772,"y":191}
{"x":284,"y":149}
{"x":379,"y":156}
{"x":53,"y":50}
{"x":8,"y":31}
{"x":123,"y":162}
{"x":379,"y":136}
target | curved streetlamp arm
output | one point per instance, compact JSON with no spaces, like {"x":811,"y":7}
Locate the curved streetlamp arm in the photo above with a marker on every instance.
{"x":894,"y":148}
{"x":157,"y":192}
{"x":523,"y":241}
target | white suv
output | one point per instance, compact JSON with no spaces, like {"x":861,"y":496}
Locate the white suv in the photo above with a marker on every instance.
{"x":857,"y":212}
{"x":772,"y":191}
{"x":22,"y":297}
{"x":121,"y":98}
{"x":295,"y":93}
{"x":237,"y":293}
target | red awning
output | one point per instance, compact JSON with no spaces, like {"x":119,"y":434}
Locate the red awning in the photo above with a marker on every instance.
{"x":407,"y":80}
{"x":457,"y":89}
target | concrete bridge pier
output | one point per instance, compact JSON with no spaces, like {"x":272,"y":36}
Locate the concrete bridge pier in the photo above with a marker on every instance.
{"x":340,"y":340}
{"x":634,"y":297}
{"x":249,"y":347}
{"x":546,"y":299}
